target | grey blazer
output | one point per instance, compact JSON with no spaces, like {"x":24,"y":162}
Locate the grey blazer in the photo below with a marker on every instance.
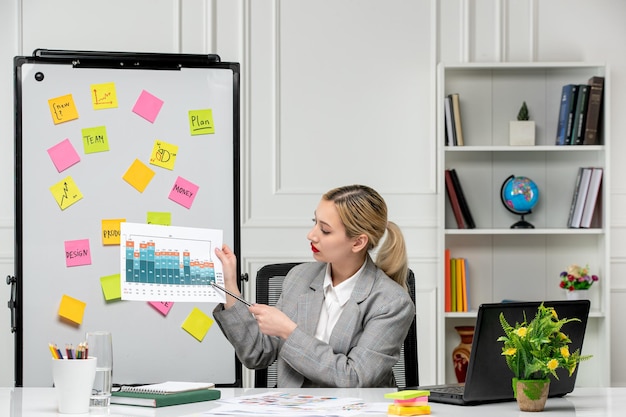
{"x":363,"y":347}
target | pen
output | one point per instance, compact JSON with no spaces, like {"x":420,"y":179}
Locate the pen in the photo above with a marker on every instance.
{"x":231,"y":294}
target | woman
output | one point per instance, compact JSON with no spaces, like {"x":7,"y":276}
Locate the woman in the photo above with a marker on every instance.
{"x":340,"y":321}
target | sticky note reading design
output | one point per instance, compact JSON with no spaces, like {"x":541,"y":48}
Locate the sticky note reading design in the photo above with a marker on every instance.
{"x":95,"y":139}
{"x":163,"y":218}
{"x":63,"y":109}
{"x":77,"y":252}
{"x":66,"y":192}
{"x":197,"y":324}
{"x":72,"y":309}
{"x":201,"y":122}
{"x":63,"y":155}
{"x":148,"y":106}
{"x":183,"y":192}
{"x":111,"y":231}
{"x":163,"y":154}
{"x":138,"y":175}
{"x":111,"y":287}
{"x":103,"y":96}
{"x":162,"y":307}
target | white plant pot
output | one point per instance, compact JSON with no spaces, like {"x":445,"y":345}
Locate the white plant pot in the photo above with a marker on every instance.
{"x":522,"y":133}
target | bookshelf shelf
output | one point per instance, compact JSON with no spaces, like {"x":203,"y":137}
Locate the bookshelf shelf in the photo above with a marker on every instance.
{"x":520,"y":264}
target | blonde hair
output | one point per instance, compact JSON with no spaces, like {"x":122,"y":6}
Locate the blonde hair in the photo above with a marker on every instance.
{"x":363,"y":211}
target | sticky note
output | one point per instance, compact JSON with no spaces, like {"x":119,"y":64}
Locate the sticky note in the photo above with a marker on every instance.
{"x":77,"y":252}
{"x":63,"y":109}
{"x":95,"y":139}
{"x":201,"y":122}
{"x":66,"y":192}
{"x":164,"y":307}
{"x":407,"y":394}
{"x":163,"y":218}
{"x":163,"y":154}
{"x":138,"y":175}
{"x":111,"y":231}
{"x":63,"y":155}
{"x":398,"y":410}
{"x":412,"y":401}
{"x":103,"y":96}
{"x":148,"y":106}
{"x":72,"y":309}
{"x":197,"y":324}
{"x":111,"y":287}
{"x":183,"y":192}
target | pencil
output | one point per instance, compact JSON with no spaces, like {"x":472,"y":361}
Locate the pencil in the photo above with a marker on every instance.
{"x":231,"y":294}
{"x":53,"y":351}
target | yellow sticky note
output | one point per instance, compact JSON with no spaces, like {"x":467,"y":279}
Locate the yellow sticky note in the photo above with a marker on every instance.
{"x":406,"y":394}
{"x":138,"y":175}
{"x":103,"y":96}
{"x":63,"y":109}
{"x":164,"y":218}
{"x":111,"y":231}
{"x":95,"y":139}
{"x":66,"y":192}
{"x":201,"y":122}
{"x":72,"y":309}
{"x":163,"y":154}
{"x":197,"y":324}
{"x":398,"y":410}
{"x":111,"y":287}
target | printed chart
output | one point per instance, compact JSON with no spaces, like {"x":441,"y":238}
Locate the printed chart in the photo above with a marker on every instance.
{"x":168,"y":263}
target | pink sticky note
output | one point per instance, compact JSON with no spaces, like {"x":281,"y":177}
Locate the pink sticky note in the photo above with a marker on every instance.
{"x":77,"y":252}
{"x":148,"y":106}
{"x":162,"y":307}
{"x":183,"y":192}
{"x":63,"y":155}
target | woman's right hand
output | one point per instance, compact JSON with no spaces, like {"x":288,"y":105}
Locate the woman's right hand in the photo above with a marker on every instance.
{"x":229,"y":266}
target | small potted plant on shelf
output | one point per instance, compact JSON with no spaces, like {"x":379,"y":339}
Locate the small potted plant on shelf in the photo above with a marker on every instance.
{"x":535,"y":350}
{"x":576,"y":280}
{"x":522,"y":130}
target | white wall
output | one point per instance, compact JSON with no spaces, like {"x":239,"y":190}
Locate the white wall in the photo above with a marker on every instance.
{"x":333,"y":92}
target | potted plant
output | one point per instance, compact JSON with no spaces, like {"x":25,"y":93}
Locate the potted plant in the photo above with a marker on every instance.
{"x":522,"y":130}
{"x":535,"y":350}
{"x":575,"y":280}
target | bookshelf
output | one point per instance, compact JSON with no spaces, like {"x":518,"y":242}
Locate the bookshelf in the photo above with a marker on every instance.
{"x":520,"y":264}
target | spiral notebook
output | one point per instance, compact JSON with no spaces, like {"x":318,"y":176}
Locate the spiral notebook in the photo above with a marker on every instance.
{"x":168,"y":387}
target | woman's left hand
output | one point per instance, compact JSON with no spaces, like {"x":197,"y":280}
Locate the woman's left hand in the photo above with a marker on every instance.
{"x":272,"y":321}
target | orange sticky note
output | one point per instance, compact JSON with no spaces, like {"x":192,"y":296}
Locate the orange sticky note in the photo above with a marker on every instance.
{"x":163,"y":154}
{"x":197,"y":324}
{"x":72,"y":309}
{"x":103,"y":96}
{"x":66,"y":192}
{"x":111,"y":231}
{"x":63,"y":109}
{"x":138,"y":175}
{"x":111,"y":287}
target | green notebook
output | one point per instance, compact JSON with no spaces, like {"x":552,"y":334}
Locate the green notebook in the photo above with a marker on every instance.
{"x":162,"y":400}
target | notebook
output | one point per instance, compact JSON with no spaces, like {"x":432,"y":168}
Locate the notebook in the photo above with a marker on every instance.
{"x":488,"y":377}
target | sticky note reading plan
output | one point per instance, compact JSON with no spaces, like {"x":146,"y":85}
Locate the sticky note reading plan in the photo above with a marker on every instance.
{"x":63,"y":155}
{"x":183,"y":192}
{"x":72,"y":309}
{"x":201,"y":122}
{"x":63,"y":109}
{"x":77,"y":252}
{"x":197,"y":324}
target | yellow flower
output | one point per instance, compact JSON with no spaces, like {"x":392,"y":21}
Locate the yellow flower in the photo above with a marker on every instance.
{"x":510,"y":351}
{"x":565,"y":352}
{"x":553,"y":364}
{"x":521,"y":332}
{"x":556,"y":317}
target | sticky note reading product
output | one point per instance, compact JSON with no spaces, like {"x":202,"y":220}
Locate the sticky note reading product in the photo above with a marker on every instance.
{"x":111,"y":231}
{"x":111,"y":287}
{"x":66,"y":192}
{"x":162,"y":307}
{"x":95,"y":139}
{"x":197,"y":324}
{"x":77,"y":252}
{"x":103,"y":96}
{"x":138,"y":175}
{"x":163,"y":218}
{"x":63,"y":155}
{"x":148,"y":106}
{"x":63,"y":109}
{"x":183,"y":192}
{"x":72,"y":309}
{"x":201,"y":122}
{"x":163,"y":154}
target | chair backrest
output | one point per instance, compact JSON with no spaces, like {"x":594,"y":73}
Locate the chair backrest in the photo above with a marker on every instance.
{"x":269,"y":285}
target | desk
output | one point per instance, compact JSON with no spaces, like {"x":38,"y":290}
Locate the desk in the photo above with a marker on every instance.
{"x":588,"y":402}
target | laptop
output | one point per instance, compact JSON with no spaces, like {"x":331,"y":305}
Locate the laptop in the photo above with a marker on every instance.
{"x":488,"y":377}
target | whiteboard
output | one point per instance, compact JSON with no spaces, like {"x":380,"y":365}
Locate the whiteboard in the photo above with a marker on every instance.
{"x":149,"y":346}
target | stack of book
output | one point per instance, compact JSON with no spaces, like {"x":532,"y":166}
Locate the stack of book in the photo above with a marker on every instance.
{"x":580,"y":112}
{"x":585,"y":210}
{"x":462,"y":214}
{"x":456,"y":284}
{"x":165,"y":393}
{"x":408,"y":403}
{"x":452,"y":115}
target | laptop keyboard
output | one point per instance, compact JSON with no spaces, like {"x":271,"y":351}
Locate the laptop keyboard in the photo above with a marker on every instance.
{"x":452,"y":389}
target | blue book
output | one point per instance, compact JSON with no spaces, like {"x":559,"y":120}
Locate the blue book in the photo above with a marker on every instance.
{"x":567,"y":109}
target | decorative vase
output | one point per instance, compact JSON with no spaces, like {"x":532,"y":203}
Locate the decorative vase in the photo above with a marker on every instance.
{"x":531,"y":395}
{"x":522,"y":133}
{"x":461,"y":353}
{"x":577,"y":294}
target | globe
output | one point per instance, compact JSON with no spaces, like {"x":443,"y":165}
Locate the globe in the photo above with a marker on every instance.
{"x":519,"y":195}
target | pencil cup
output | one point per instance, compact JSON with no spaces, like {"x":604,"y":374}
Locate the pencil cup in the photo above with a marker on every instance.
{"x":100,"y":345}
{"x":73,"y":380}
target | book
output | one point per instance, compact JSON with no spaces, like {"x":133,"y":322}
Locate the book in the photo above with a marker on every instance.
{"x":566,"y":113}
{"x":465,"y":210}
{"x":594,"y":111}
{"x":452,"y":284}
{"x":454,"y":201}
{"x":447,"y":280}
{"x":592,"y":197}
{"x":168,"y":387}
{"x":580,"y":116}
{"x":449,"y":119}
{"x":580,"y":198}
{"x":145,"y":399}
{"x":456,"y":114}
{"x":459,"y":284}
{"x":575,"y":195}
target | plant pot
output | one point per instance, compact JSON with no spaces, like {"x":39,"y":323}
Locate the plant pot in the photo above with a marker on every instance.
{"x":531,"y":395}
{"x":577,"y":295}
{"x":461,"y":353}
{"x":522,"y":132}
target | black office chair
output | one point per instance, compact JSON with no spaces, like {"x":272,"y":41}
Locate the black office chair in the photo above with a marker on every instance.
{"x":269,"y":285}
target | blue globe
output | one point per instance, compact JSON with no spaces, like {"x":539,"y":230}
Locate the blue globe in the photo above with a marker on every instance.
{"x":519,"y":196}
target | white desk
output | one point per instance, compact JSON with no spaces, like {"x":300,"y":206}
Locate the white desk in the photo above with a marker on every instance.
{"x":588,"y":402}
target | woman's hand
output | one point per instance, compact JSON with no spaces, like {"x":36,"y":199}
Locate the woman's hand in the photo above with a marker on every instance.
{"x":272,"y":321}
{"x":229,"y":266}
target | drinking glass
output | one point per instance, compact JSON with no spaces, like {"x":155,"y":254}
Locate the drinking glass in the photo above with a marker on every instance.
{"x":100,"y":345}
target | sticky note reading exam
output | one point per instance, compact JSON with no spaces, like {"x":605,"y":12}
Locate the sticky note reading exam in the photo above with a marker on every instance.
{"x":162,"y":307}
{"x":148,"y":106}
{"x":66,"y":192}
{"x":95,"y":139}
{"x":77,"y":252}
{"x":138,"y":175}
{"x":183,"y":192}
{"x":163,"y":154}
{"x":103,"y":96}
{"x":197,"y":324}
{"x":201,"y":122}
{"x":63,"y":155}
{"x":72,"y":309}
{"x":63,"y":109}
{"x":111,"y":287}
{"x":163,"y":218}
{"x":111,"y":231}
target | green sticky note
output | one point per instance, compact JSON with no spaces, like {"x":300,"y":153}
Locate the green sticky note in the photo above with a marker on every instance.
{"x":111,"y":287}
{"x":407,"y":394}
{"x":164,"y":218}
{"x":201,"y":122}
{"x":95,"y":139}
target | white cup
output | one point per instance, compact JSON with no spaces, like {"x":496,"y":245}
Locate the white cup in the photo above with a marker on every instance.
{"x":73,"y":380}
{"x":100,"y":345}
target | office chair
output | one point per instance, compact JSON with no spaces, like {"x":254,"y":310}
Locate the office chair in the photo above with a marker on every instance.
{"x":269,"y":285}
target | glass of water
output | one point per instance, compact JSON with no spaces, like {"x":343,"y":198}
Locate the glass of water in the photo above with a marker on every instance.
{"x":100,"y":345}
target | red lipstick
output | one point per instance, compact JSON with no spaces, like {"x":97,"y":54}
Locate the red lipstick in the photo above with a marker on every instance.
{"x":314,"y":249}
